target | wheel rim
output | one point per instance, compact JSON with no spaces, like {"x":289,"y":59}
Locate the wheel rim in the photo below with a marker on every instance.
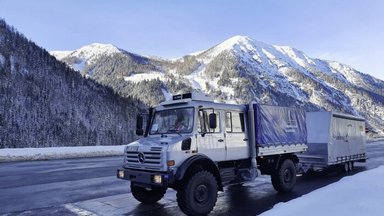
{"x":201,"y":193}
{"x":287,"y":176}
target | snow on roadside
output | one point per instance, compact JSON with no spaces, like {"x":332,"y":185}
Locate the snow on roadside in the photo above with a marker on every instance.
{"x":360,"y":194}
{"x":23,"y":154}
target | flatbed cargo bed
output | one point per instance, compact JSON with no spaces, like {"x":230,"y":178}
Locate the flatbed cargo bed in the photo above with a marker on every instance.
{"x":277,"y":130}
{"x":281,"y":149}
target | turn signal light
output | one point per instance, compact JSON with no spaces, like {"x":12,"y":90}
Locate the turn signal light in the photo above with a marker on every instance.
{"x":171,"y":163}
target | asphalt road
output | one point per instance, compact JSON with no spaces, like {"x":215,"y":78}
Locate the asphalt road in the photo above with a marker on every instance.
{"x":49,"y":187}
{"x":40,"y":184}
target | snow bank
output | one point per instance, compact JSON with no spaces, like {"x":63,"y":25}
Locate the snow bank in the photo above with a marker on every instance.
{"x":360,"y":194}
{"x":22,"y":154}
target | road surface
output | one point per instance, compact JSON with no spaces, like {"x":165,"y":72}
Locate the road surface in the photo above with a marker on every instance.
{"x":89,"y":187}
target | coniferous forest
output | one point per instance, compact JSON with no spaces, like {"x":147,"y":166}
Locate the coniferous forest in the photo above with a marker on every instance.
{"x":44,"y":103}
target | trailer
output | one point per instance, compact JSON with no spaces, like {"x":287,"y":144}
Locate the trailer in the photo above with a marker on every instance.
{"x":334,"y":139}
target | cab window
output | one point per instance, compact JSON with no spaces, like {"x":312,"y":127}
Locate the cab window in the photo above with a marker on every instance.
{"x":234,"y":122}
{"x":203,"y":125}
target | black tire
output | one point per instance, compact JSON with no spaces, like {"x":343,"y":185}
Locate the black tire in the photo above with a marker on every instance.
{"x":147,"y":196}
{"x":284,"y":178}
{"x":274,"y":181}
{"x":199,"y":194}
{"x":237,"y":184}
{"x":345,"y":167}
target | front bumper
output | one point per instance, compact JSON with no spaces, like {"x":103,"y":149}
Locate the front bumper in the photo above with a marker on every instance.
{"x":144,"y":178}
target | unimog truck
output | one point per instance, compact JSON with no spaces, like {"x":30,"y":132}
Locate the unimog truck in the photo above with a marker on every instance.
{"x":197,"y":147}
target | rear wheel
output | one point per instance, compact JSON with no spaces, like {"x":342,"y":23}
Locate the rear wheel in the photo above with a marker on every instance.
{"x":199,"y":195}
{"x":147,"y":195}
{"x":284,"y":178}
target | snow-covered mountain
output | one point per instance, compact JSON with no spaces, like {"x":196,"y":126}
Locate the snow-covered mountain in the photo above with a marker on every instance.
{"x":87,"y":55}
{"x":238,"y":70}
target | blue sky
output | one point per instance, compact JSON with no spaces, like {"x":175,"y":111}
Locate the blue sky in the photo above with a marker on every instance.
{"x":349,"y":31}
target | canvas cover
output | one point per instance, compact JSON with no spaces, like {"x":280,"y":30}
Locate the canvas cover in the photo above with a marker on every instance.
{"x":275,"y":125}
{"x":334,"y":137}
{"x":347,"y":137}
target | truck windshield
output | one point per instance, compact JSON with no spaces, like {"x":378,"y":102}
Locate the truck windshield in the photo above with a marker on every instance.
{"x":173,"y":121}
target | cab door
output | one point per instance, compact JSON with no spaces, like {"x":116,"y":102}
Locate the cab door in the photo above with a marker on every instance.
{"x":211,"y":141}
{"x":236,"y":139}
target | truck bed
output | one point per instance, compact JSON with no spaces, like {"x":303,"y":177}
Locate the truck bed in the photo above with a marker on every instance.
{"x":277,"y":130}
{"x":281,"y":149}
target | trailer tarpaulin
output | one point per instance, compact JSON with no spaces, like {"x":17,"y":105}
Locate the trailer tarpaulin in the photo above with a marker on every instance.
{"x":275,"y":125}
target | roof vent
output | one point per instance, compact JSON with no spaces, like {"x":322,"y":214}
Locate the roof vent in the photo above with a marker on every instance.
{"x":194,"y":96}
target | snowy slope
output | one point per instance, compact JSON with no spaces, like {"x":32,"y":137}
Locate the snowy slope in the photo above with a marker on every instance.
{"x":86,"y":55}
{"x":240,"y":70}
{"x":360,"y":194}
{"x":89,"y":57}
{"x":261,"y":59}
{"x":60,"y":54}
{"x":290,"y":72}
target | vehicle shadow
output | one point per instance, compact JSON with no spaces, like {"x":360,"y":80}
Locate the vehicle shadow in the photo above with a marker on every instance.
{"x":256,"y":199}
{"x":158,"y":209}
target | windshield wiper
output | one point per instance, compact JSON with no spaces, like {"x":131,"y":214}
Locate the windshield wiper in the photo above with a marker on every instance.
{"x":176,"y":131}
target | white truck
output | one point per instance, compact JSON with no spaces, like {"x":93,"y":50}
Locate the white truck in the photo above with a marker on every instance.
{"x":197,"y":147}
{"x":334,"y":139}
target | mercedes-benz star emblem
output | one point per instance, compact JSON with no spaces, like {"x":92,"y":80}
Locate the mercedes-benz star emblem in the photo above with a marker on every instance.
{"x":141,"y":157}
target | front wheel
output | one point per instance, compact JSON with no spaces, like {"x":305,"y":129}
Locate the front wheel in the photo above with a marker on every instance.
{"x":147,"y":195}
{"x":284,"y":178}
{"x":199,"y":195}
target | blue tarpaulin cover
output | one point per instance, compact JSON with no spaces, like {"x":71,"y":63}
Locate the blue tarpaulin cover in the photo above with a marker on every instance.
{"x":276,"y":125}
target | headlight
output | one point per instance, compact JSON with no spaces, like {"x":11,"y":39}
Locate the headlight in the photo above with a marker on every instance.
{"x":121,"y":174}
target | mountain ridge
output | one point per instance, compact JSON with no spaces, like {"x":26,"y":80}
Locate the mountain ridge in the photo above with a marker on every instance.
{"x":240,"y":70}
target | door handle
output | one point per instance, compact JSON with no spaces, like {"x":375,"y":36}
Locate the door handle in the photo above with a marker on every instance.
{"x":220,"y":140}
{"x":245,"y":139}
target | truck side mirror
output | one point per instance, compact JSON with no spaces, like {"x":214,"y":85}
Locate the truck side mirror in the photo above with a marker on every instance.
{"x":212,"y":121}
{"x":139,"y":125}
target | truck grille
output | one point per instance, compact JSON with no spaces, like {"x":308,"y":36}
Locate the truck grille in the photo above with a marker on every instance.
{"x":151,"y":157}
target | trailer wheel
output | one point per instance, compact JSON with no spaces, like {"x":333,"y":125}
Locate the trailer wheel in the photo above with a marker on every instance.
{"x":346,"y":167}
{"x":284,"y":178}
{"x":199,"y":195}
{"x":146,"y":195}
{"x":350,"y":166}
